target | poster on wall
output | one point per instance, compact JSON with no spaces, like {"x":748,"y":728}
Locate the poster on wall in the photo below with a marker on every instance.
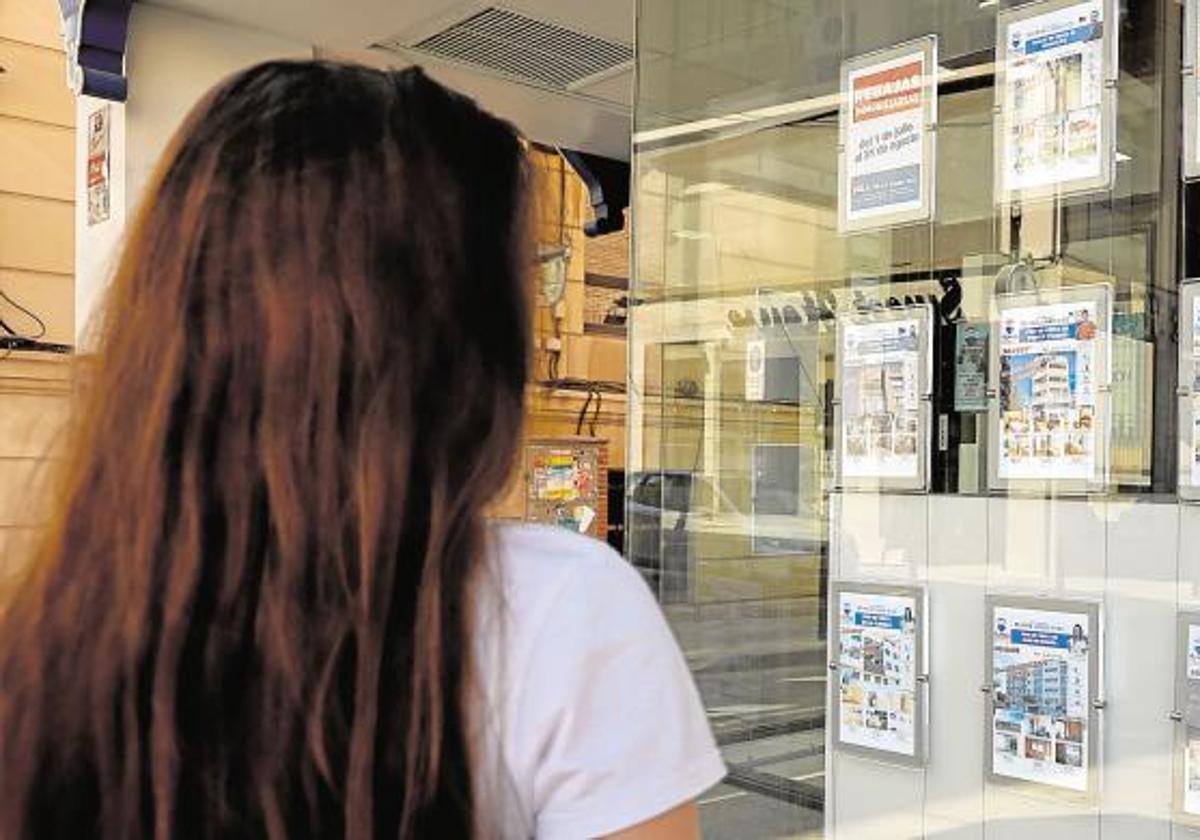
{"x":884,"y":374}
{"x":887,"y":125}
{"x":1187,"y":786}
{"x":1042,"y":660}
{"x":878,"y":650}
{"x":1055,"y":112}
{"x":1189,"y":391}
{"x":99,"y":160}
{"x":564,"y":485}
{"x":1191,"y":91}
{"x":1050,"y":364}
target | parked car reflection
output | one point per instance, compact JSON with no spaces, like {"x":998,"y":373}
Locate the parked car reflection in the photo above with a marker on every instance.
{"x":672,"y":514}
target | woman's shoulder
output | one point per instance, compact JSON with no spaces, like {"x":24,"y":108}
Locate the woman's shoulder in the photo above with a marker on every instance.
{"x":538,"y":563}
{"x":561,"y":595}
{"x":602,"y":726}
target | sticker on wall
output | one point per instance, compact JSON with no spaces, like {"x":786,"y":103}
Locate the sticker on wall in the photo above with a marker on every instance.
{"x":1042,"y":661}
{"x":99,"y":165}
{"x":1055,"y":112}
{"x":1050,"y":364}
{"x":888,"y":123}
{"x":884,"y":373}
{"x":878,"y":656}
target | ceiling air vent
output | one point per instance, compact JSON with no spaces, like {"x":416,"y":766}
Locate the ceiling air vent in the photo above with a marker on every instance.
{"x":520,"y":47}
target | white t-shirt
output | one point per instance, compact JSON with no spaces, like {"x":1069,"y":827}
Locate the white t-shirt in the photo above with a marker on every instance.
{"x":597,"y":718}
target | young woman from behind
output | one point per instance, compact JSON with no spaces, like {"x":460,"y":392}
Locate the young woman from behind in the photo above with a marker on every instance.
{"x":268,"y":604}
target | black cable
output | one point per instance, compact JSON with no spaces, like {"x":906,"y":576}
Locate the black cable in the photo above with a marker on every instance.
{"x":28,"y":313}
{"x":582,"y":414}
{"x":596,"y":415}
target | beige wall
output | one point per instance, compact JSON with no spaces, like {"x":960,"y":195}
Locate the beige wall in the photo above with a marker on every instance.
{"x":37,"y":119}
{"x":173,"y":59}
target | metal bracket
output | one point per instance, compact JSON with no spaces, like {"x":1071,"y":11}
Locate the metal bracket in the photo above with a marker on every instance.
{"x":833,"y":666}
{"x":1099,"y":704}
{"x":923,"y":679}
{"x":1175,"y":715}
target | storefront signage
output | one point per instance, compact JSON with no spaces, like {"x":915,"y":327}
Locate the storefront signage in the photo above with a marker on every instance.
{"x":971,"y":367}
{"x":1191,"y":91}
{"x":887,"y":136}
{"x":1054,"y":121}
{"x":1042,"y":660}
{"x":884,"y":364}
{"x":787,"y":308}
{"x":1189,"y":391}
{"x":1050,"y":364}
{"x":878,"y":656}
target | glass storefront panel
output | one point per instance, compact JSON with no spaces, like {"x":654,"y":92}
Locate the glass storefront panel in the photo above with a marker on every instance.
{"x":908,"y":494}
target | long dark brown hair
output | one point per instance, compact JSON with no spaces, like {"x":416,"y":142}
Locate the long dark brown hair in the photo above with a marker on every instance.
{"x":251,"y":615}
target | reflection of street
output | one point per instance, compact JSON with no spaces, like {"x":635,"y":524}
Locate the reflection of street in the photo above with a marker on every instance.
{"x":760,"y":668}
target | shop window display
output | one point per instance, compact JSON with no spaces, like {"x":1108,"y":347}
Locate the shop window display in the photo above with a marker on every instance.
{"x":1029,"y":447}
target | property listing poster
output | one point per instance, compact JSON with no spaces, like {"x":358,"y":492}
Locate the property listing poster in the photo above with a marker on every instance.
{"x":1047,"y":391}
{"x":1191,"y":757}
{"x":1195,"y":437}
{"x":1191,"y":164}
{"x":1052,"y":100}
{"x":881,"y":399}
{"x":970,"y":367}
{"x":877,"y":671}
{"x":884,"y":139}
{"x":1040,"y":715}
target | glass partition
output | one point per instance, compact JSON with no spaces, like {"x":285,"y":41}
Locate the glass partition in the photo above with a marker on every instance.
{"x":1036,"y":389}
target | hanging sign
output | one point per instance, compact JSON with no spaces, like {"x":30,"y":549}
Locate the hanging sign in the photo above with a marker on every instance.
{"x":1051,"y":367}
{"x":1054,"y":111}
{"x":878,"y":652}
{"x":884,"y":373}
{"x":1189,"y":391}
{"x":1187,"y":681}
{"x":887,"y":125}
{"x":1191,"y":91}
{"x":1043,"y":663}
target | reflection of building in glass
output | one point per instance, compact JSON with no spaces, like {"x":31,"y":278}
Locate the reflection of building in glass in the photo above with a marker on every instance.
{"x":1038,"y":687}
{"x":1051,"y":382}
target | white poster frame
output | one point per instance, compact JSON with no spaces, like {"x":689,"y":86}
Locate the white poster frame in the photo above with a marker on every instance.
{"x":1094,"y":702}
{"x":1180,"y":814}
{"x":919,"y":483}
{"x":919,"y":596}
{"x":1191,"y":91}
{"x":1108,"y":106}
{"x":926,"y":48}
{"x":1100,"y":295}
{"x":1189,"y":369}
